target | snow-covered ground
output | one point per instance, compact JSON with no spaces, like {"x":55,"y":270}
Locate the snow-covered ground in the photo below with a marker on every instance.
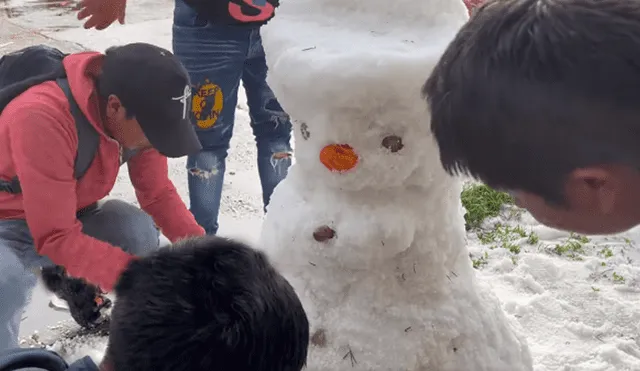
{"x":576,"y":299}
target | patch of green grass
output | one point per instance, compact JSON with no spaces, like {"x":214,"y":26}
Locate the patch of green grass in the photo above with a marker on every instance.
{"x":480,"y":262}
{"x":595,"y":289}
{"x":533,"y":239}
{"x":617,"y":278}
{"x":580,"y":238}
{"x":482,"y":202}
{"x":606,"y":252}
{"x":515,"y":249}
{"x":572,"y":248}
{"x":504,"y":237}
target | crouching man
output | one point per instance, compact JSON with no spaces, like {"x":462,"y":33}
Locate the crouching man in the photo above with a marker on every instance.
{"x":204,"y":304}
{"x":133,"y":103}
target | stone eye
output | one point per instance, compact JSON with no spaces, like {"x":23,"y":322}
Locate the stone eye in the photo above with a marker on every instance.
{"x":324,"y":233}
{"x":393,"y":143}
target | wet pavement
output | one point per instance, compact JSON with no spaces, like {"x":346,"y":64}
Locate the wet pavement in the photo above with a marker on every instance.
{"x":50,"y":16}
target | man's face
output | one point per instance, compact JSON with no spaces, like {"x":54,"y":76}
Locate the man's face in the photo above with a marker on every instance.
{"x":598,"y":201}
{"x":125,"y":130}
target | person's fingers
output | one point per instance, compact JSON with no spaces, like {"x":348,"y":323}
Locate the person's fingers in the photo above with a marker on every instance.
{"x":83,"y":13}
{"x":90,"y":23}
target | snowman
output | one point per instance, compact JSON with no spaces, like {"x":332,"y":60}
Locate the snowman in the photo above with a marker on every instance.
{"x":367,"y":226}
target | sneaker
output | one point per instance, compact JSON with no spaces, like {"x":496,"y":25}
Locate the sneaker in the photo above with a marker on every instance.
{"x":58,"y":304}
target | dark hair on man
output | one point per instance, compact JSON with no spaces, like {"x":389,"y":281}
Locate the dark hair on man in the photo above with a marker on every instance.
{"x":209,"y":304}
{"x":530,"y":90}
{"x":109,"y":82}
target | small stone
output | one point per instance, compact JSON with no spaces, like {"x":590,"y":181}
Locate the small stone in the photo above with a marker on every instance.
{"x":319,"y":338}
{"x":393,"y":143}
{"x":324,"y":233}
{"x":304,"y":130}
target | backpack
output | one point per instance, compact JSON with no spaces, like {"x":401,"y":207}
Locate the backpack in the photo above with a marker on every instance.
{"x":34,"y":65}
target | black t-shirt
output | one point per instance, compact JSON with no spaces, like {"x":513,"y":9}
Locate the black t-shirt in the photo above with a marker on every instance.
{"x":236,"y":12}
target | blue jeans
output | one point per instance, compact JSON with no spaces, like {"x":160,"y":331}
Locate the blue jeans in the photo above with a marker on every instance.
{"x":217,"y":58}
{"x":113,"y":221}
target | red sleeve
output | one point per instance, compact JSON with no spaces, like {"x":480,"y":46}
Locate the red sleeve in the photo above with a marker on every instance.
{"x":158,"y":197}
{"x":44,"y":146}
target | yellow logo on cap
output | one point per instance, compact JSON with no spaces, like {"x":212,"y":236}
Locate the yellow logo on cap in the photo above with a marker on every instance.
{"x":206,"y":104}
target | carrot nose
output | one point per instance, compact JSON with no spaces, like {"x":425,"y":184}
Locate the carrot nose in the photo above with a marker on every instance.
{"x":339,"y":157}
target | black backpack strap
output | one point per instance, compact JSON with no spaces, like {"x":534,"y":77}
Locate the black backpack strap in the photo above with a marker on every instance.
{"x":88,"y":137}
{"x":21,"y":358}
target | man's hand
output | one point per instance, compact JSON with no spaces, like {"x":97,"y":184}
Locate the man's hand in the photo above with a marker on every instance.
{"x":101,"y":13}
{"x":85,"y":301}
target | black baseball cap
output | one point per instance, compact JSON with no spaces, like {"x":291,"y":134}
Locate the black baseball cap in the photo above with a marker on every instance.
{"x":154,"y":87}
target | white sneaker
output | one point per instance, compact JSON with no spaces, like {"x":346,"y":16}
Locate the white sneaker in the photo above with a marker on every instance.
{"x":58,"y":304}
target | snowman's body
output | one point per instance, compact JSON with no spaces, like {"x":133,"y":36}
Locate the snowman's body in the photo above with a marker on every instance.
{"x":367,"y":226}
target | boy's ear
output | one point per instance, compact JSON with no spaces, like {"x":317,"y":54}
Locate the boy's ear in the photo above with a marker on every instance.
{"x":594,"y":187}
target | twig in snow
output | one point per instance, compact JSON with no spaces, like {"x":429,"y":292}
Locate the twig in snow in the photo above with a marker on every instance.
{"x":352,"y":358}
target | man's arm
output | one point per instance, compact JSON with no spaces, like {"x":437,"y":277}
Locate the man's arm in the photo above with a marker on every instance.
{"x":44,"y":148}
{"x":158,"y":197}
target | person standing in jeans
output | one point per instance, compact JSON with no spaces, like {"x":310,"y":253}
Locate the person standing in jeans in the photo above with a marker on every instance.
{"x":218,"y":42}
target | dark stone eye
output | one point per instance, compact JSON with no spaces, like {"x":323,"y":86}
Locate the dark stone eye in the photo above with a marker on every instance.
{"x":304,"y":129}
{"x":393,"y":143}
{"x":319,"y":338}
{"x":324,"y":233}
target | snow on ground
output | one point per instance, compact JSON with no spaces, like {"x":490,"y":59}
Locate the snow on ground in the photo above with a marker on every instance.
{"x":576,"y":298}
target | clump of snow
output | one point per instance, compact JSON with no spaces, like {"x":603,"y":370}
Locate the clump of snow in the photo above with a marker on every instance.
{"x":81,"y":346}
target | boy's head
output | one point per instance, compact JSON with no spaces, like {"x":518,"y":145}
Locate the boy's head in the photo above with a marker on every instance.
{"x":541,"y":98}
{"x":206,"y":304}
{"x":146,"y":99}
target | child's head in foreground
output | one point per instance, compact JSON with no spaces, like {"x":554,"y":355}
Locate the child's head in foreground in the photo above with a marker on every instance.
{"x":207,"y":304}
{"x":541,"y":98}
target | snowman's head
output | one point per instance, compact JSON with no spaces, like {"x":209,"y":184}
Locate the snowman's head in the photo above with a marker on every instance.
{"x":364,"y":126}
{"x":350,"y":74}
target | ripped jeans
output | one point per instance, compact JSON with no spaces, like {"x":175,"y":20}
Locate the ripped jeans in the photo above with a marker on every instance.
{"x":217,"y":58}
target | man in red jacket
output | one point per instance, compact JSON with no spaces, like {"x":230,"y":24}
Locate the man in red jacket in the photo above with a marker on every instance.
{"x":136,"y":97}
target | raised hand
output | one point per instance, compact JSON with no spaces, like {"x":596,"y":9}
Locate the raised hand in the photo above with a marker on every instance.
{"x":101,"y":13}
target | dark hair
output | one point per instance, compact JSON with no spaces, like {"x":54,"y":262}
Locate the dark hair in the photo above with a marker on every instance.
{"x":109,"y":82}
{"x":530,"y":90}
{"x":207,"y":304}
